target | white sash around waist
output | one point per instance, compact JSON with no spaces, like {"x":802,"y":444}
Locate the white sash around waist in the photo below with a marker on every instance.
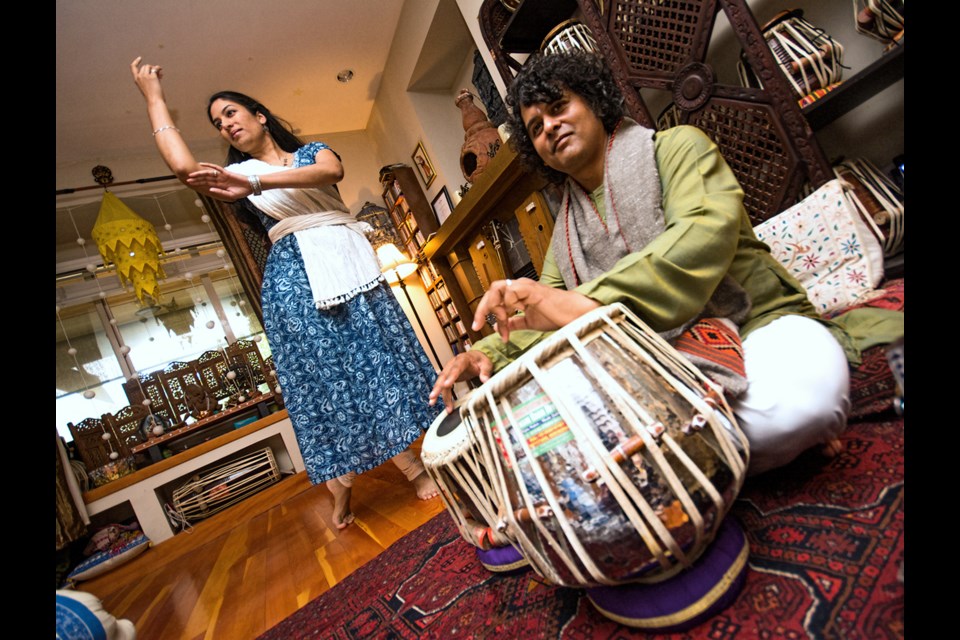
{"x":338,"y":258}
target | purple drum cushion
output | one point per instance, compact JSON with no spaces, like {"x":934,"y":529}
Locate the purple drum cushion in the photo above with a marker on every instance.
{"x":679,"y":603}
{"x":502,"y":559}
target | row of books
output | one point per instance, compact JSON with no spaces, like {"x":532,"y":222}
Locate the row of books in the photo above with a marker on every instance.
{"x":447,"y":312}
{"x":439,"y":295}
{"x":455,"y":332}
{"x":428,"y":274}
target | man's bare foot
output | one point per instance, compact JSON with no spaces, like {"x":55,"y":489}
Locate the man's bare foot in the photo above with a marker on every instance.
{"x":342,"y":516}
{"x":426,"y":488}
{"x":832,"y":448}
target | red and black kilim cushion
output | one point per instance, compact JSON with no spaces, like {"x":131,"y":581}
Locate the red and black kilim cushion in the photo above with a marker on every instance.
{"x":714,"y":341}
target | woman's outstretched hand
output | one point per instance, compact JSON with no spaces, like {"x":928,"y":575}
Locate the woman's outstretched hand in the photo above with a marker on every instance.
{"x":147,"y":77}
{"x":219,"y":183}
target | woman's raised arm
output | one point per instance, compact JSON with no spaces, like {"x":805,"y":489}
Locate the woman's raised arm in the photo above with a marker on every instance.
{"x":170,"y":143}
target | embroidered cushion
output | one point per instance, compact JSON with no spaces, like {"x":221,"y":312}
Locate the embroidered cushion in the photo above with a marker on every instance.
{"x":824,"y":244}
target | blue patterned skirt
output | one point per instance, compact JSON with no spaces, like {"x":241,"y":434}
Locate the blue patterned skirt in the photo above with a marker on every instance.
{"x":354,"y":378}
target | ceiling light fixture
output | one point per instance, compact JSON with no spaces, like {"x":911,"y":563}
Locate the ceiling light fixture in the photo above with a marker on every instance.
{"x":345,"y":76}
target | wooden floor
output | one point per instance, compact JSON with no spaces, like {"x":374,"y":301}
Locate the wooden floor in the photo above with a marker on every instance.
{"x":240,"y":572}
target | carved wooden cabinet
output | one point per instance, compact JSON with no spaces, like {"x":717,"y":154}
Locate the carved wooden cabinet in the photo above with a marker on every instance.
{"x":500,"y":229}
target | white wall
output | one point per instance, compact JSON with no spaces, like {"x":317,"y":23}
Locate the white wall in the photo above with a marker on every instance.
{"x":361,"y":167}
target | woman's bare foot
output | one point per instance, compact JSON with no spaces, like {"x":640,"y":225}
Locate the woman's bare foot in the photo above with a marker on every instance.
{"x":342,"y":515}
{"x":426,"y":488}
{"x":832,"y":448}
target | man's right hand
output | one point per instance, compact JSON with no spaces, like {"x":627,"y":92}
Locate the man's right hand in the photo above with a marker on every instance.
{"x":464,"y":366}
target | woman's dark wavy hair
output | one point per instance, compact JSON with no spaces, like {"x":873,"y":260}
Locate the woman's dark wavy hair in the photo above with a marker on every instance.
{"x":280,"y":129}
{"x":543,"y":79}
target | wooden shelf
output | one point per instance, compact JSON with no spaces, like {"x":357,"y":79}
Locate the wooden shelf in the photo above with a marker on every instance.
{"x":855,"y":91}
{"x":227,"y":415}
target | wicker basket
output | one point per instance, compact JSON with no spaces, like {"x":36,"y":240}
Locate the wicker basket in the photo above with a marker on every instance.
{"x":228,"y":484}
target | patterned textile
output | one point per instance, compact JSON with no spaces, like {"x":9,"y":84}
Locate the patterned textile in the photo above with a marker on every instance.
{"x":355,"y":379}
{"x":711,"y":340}
{"x":826,"y":556}
{"x":822,"y":242}
{"x":872,"y":384}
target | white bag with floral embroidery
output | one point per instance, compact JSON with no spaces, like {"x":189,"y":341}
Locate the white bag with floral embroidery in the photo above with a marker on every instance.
{"x":824,"y":244}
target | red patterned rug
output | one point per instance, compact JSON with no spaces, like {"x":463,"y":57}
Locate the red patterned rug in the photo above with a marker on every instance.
{"x":826,"y":546}
{"x":872,"y":385}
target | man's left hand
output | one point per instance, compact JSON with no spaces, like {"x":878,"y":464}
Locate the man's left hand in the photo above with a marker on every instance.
{"x":527,"y":304}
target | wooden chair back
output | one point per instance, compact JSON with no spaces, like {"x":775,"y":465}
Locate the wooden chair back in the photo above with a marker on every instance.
{"x":93,"y":450}
{"x":175,"y":378}
{"x":148,"y":385}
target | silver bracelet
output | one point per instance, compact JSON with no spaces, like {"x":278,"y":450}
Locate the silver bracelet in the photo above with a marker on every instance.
{"x":164,"y":128}
{"x":255,"y":184}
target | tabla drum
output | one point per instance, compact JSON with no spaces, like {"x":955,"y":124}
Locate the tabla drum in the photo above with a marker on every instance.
{"x":809,"y":58}
{"x":456,"y":464}
{"x":225,"y":485}
{"x":570,"y":35}
{"x":614,"y":457}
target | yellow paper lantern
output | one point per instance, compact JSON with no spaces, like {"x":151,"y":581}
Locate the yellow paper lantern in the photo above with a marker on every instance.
{"x":131,"y":244}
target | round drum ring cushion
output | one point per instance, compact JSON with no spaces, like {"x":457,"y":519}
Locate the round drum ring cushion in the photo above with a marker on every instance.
{"x":685,"y":600}
{"x":502,"y":559}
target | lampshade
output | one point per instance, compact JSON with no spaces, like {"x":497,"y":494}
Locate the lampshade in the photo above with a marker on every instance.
{"x":131,"y":244}
{"x":394,"y":265}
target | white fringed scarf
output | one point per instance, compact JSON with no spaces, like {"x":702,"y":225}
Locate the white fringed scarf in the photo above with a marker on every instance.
{"x":338,"y":258}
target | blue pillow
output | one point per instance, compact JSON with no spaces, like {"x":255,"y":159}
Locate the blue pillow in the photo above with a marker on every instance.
{"x":105,"y":560}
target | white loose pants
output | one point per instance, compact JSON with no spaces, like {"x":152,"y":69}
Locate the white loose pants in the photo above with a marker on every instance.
{"x":798,"y":393}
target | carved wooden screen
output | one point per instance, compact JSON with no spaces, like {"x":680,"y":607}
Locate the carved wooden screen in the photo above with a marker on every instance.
{"x":245,"y":241}
{"x":662,"y":45}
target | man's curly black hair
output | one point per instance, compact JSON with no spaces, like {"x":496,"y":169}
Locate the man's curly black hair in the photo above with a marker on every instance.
{"x":543,"y":79}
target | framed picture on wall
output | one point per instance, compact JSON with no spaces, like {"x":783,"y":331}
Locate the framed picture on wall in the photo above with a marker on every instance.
{"x":424,"y":167}
{"x":442,"y":205}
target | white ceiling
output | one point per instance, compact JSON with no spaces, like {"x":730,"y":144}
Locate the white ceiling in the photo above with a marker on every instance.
{"x":287,"y":50}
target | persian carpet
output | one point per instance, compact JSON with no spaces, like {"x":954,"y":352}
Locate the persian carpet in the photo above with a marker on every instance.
{"x":826,"y":558}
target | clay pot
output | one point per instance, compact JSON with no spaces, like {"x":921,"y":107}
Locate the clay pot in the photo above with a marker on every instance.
{"x":481,"y":139}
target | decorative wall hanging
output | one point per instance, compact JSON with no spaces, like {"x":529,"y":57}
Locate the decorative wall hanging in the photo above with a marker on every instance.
{"x":487,"y":91}
{"x":131,"y":244}
{"x":424,"y":167}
